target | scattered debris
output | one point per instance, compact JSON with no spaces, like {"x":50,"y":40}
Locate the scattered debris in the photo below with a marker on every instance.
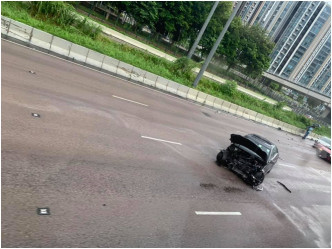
{"x":43,"y":211}
{"x":33,"y":72}
{"x":258,"y":188}
{"x":279,"y":128}
{"x":206,"y":114}
{"x":36,"y":115}
{"x":284,"y":186}
{"x":104,"y":205}
{"x":232,"y":189}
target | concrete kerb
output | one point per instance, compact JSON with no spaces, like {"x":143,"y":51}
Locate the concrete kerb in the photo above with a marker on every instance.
{"x":218,"y":103}
{"x":95,"y":59}
{"x":161,"y":83}
{"x":138,"y":74}
{"x":259,"y":117}
{"x":183,"y":91}
{"x":150,"y":79}
{"x":232,"y":108}
{"x":201,"y":97}
{"x":77,"y":52}
{"x":41,"y":39}
{"x":61,"y":46}
{"x":192,"y":94}
{"x":124,"y":69}
{"x":172,"y":87}
{"x":20,"y":31}
{"x":209,"y":101}
{"x":110,"y":64}
{"x":240,"y":111}
{"x":225,"y":106}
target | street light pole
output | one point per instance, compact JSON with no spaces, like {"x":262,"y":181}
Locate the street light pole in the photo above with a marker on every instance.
{"x":193,"y":47}
{"x":216,"y":44}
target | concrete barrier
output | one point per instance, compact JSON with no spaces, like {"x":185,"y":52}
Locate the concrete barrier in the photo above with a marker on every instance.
{"x":5,"y":22}
{"x":246,"y":113}
{"x":78,"y":53}
{"x":95,"y":59}
{"x":150,"y":79}
{"x":41,"y":39}
{"x":267,"y":120}
{"x":209,"y":101}
{"x":218,"y":103}
{"x":183,"y":91}
{"x":201,"y":97}
{"x":232,"y":109}
{"x":259,"y":117}
{"x":192,"y":94}
{"x":124,"y":69}
{"x":225,"y":106}
{"x":240,"y":111}
{"x":161,"y":83}
{"x":20,"y":31}
{"x":60,"y":46}
{"x":252,"y":114}
{"x":172,"y":87}
{"x":110,"y":64}
{"x":138,"y":74}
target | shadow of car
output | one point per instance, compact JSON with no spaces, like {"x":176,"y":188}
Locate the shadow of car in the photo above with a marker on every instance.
{"x":251,"y":157}
{"x":323,"y":148}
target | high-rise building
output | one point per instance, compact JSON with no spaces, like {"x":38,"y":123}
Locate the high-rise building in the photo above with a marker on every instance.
{"x":302,"y":34}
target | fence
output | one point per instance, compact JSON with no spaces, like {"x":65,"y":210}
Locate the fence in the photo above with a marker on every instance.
{"x":74,"y":52}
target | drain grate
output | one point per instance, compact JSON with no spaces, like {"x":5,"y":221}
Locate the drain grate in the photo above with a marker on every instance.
{"x":43,"y":211}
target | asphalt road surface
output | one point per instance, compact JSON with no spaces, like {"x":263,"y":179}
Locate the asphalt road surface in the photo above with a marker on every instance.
{"x":122,"y":165}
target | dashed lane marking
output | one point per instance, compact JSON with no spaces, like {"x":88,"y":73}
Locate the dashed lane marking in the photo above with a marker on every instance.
{"x":129,"y":100}
{"x":161,"y":140}
{"x":217,"y":213}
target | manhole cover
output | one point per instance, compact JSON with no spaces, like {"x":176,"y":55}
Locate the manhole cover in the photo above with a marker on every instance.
{"x":206,"y":114}
{"x":36,"y":115}
{"x":43,"y":211}
{"x":207,"y":185}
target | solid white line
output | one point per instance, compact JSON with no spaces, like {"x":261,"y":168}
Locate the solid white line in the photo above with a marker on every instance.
{"x":161,"y":140}
{"x":129,"y":100}
{"x":217,"y":213}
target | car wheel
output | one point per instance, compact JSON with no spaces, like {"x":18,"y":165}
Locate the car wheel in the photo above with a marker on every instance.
{"x":219,"y":158}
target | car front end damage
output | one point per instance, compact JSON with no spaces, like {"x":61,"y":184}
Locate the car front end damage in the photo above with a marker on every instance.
{"x":244,"y":158}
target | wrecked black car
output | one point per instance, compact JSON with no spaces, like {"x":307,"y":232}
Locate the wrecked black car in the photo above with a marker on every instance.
{"x":251,"y":157}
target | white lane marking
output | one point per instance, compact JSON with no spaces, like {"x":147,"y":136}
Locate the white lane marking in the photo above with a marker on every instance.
{"x":129,"y":100}
{"x":161,"y":140}
{"x":287,"y":165}
{"x":217,"y":213}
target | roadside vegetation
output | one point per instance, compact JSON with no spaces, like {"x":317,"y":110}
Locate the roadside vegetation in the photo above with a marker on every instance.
{"x":54,"y":18}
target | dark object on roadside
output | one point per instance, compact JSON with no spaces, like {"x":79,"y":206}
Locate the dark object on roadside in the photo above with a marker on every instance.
{"x":284,"y":186}
{"x":279,"y":128}
{"x":323,"y":148}
{"x":251,"y":157}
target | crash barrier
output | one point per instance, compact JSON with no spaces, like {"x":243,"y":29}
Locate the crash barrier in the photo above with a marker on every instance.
{"x":37,"y":38}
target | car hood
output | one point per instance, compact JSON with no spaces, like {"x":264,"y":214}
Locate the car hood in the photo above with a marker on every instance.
{"x":238,"y":139}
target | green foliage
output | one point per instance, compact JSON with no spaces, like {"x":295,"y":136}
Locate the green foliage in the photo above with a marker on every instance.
{"x":274,"y":86}
{"x":280,"y":105}
{"x":183,"y":66}
{"x":229,"y":88}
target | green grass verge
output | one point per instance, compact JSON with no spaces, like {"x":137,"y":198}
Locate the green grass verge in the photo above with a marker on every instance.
{"x":18,"y":11}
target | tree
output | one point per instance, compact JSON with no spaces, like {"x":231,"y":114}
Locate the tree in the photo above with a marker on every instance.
{"x":144,"y":13}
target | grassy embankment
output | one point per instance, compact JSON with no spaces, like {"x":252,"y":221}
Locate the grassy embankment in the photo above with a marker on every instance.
{"x":66,"y":27}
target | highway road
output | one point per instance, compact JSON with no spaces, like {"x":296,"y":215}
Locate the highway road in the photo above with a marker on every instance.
{"x":122,"y":165}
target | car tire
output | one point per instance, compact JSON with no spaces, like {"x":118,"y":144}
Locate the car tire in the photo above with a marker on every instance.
{"x":220,"y":157}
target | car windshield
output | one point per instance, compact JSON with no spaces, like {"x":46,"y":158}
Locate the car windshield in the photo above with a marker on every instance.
{"x":262,"y":147}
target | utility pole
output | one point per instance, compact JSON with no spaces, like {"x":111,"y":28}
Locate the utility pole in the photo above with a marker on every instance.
{"x":193,"y":47}
{"x":216,"y":44}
